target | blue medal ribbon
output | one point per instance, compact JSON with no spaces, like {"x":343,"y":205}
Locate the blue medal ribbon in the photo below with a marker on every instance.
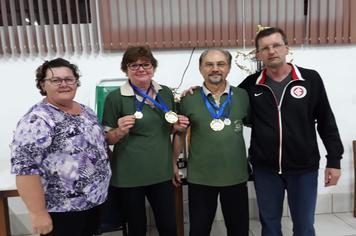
{"x":138,"y":104}
{"x":160,"y":104}
{"x":215,"y":111}
{"x":227,"y":112}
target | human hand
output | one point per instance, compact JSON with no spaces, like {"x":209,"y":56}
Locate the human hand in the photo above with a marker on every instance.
{"x":332,"y":176}
{"x":125,"y":123}
{"x":41,"y":222}
{"x":189,"y":90}
{"x":182,"y":124}
{"x":176,"y":177}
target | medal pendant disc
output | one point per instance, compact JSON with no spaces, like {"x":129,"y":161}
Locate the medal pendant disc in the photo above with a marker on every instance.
{"x":138,"y":115}
{"x":217,"y":125}
{"x":171,"y":117}
{"x":227,"y":121}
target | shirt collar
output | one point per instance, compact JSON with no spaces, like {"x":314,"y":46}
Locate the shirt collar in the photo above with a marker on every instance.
{"x":207,"y":91}
{"x":127,"y":90}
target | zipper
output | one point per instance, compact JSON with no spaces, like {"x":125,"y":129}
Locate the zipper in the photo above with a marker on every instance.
{"x":279,"y":123}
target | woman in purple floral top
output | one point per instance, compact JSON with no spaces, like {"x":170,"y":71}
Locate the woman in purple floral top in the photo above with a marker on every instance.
{"x":59,"y":156}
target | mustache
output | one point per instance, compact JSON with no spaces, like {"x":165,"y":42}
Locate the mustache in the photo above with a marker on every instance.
{"x":215,"y":73}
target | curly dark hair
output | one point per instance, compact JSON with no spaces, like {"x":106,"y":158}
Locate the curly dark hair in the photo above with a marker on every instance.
{"x":48,"y":65}
{"x":135,"y":53}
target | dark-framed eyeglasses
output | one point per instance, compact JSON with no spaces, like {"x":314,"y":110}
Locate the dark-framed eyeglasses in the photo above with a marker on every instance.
{"x":69,"y":80}
{"x":136,"y":66}
{"x":275,"y":47}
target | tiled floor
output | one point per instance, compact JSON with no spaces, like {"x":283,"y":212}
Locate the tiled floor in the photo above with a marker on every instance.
{"x":342,"y":224}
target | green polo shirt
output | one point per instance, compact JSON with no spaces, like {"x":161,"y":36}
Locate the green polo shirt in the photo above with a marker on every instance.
{"x":216,"y":158}
{"x":144,"y":156}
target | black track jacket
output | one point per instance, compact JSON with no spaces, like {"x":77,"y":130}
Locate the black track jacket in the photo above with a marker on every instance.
{"x":283,"y":137}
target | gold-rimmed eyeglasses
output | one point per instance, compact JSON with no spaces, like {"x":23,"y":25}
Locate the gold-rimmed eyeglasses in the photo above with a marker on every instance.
{"x":211,"y":65}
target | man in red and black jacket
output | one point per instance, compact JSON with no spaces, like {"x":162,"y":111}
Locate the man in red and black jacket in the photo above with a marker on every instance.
{"x":288,"y":105}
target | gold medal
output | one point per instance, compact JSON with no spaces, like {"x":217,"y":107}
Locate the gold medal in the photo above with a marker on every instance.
{"x":138,"y":115}
{"x":171,"y":117}
{"x":227,"y":121}
{"x":217,"y":125}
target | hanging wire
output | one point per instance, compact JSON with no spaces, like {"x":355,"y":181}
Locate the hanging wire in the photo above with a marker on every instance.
{"x":175,"y":90}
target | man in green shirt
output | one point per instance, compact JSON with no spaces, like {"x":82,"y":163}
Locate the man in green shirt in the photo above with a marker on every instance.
{"x":217,"y":163}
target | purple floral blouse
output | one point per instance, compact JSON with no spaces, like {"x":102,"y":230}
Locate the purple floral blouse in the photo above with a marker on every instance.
{"x":67,"y":151}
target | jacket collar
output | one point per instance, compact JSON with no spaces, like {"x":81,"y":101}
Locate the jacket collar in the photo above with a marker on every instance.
{"x":296,"y":75}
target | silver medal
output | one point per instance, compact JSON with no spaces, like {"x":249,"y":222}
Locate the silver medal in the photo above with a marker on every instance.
{"x":227,"y":121}
{"x":138,"y":115}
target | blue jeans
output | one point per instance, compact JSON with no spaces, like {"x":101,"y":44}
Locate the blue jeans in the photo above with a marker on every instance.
{"x":301,"y":192}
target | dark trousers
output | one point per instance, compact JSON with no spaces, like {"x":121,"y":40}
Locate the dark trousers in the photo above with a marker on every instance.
{"x":203,"y":204}
{"x":112,"y":217}
{"x":76,"y":223}
{"x":301,"y":192}
{"x":161,"y":198}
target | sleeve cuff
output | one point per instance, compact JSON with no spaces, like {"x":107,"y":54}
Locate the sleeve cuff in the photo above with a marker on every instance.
{"x":333,"y":163}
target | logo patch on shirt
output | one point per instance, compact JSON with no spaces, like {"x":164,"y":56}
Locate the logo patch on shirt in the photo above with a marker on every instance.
{"x":298,"y":91}
{"x":238,"y":126}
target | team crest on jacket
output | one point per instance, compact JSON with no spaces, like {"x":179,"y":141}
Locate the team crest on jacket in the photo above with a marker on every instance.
{"x":298,"y":91}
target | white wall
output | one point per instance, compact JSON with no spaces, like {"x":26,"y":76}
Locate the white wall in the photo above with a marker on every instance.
{"x":335,"y":64}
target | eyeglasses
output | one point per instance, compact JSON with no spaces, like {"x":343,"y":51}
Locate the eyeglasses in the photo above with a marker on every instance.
{"x":211,"y":65}
{"x":70,"y":80}
{"x":136,"y":66}
{"x":275,"y":47}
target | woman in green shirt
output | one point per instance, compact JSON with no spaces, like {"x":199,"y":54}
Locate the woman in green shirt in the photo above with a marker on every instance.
{"x":139,"y":118}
